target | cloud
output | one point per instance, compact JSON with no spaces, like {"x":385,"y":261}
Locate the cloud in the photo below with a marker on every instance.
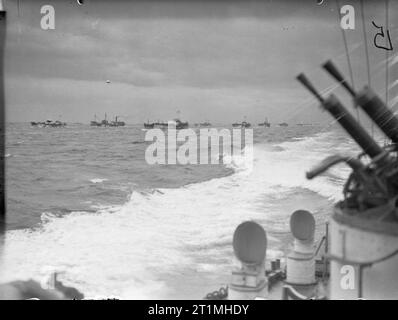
{"x":203,"y":53}
{"x":167,"y":54}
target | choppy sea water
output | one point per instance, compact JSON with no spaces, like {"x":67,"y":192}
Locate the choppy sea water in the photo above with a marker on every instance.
{"x":84,"y":202}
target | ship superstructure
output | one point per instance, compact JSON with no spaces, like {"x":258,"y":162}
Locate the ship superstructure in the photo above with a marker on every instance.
{"x":357,"y":258}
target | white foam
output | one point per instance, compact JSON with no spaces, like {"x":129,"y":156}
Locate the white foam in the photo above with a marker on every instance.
{"x":98,"y":180}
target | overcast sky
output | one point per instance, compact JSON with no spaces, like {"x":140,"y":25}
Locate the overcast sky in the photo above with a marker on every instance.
{"x":214,"y":60}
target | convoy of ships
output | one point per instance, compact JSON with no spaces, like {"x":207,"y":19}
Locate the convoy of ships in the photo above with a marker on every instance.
{"x":175,"y":123}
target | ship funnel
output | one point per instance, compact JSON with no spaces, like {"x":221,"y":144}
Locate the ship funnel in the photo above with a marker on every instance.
{"x":249,"y":280}
{"x":369,"y":102}
{"x":345,"y":119}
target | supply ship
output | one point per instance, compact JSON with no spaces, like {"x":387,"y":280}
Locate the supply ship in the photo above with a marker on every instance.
{"x":106,"y":123}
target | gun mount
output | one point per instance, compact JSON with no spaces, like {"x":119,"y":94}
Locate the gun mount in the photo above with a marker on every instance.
{"x":371,"y":184}
{"x":346,"y":120}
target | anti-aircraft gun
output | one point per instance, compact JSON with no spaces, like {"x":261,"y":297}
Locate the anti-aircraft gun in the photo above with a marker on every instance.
{"x":364,"y":226}
{"x":375,"y":183}
{"x":360,"y":256}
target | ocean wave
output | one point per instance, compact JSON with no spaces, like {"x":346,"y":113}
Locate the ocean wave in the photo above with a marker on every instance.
{"x":143,"y":248}
{"x":98,"y":180}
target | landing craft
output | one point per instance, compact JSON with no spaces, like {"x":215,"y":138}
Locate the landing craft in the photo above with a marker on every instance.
{"x":48,"y":123}
{"x":172,"y":124}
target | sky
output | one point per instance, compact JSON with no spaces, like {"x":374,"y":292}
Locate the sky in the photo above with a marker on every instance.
{"x":213,"y":60}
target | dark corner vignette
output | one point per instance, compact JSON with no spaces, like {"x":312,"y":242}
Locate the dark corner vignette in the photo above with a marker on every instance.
{"x":3,"y":16}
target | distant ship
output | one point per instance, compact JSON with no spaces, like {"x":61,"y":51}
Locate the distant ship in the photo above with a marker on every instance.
{"x":304,"y":124}
{"x":265,"y":123}
{"x":157,"y":124}
{"x":205,"y":124}
{"x":243,"y":124}
{"x":96,"y":123}
{"x":174,"y":124}
{"x":117,"y":123}
{"x":149,"y":125}
{"x":48,"y":123}
{"x":161,"y":125}
{"x":179,"y":124}
{"x":106,"y":123}
{"x":283,"y":124}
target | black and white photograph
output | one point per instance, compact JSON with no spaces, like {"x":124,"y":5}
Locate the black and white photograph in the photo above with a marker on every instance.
{"x":199,"y":150}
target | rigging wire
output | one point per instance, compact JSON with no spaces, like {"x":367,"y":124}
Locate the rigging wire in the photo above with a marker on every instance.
{"x":387,"y":57}
{"x":347,"y":54}
{"x":308,"y":102}
{"x":387,"y":53}
{"x":366,"y":42}
{"x":365,"y":39}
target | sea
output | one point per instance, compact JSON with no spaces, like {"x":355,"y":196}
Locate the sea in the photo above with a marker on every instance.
{"x":83,"y":202}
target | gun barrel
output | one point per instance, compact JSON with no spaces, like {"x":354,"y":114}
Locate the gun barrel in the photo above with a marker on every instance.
{"x":335,"y":73}
{"x":369,"y":102}
{"x":307,"y":83}
{"x":377,"y":110}
{"x":345,"y":119}
{"x":355,"y":130}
